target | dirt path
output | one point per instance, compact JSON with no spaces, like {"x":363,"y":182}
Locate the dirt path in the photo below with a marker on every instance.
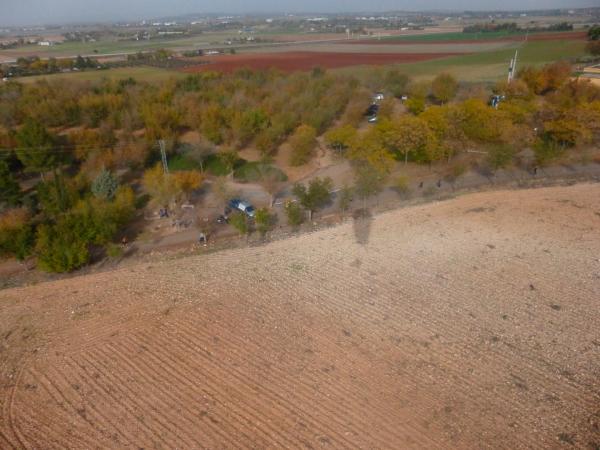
{"x":471,"y":323}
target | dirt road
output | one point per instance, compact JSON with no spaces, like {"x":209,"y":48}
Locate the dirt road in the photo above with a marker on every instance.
{"x":470,"y":323}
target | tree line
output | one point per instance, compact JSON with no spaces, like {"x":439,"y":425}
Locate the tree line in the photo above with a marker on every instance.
{"x":62,"y":143}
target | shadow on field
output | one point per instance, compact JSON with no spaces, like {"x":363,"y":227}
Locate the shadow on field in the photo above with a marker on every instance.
{"x":362,"y":220}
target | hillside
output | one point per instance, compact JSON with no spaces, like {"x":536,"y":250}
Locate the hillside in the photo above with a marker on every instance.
{"x":470,"y":323}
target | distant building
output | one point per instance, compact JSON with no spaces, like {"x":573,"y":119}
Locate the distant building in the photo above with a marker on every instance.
{"x":46,"y":43}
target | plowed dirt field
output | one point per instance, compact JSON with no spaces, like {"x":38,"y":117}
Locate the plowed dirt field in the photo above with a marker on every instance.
{"x":467,"y":324}
{"x":293,"y":61}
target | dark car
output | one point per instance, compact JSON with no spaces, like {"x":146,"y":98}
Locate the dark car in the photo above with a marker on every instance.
{"x":242,"y":206}
{"x":372,"y":110}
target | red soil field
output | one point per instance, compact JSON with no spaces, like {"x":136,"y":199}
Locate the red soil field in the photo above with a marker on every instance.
{"x":292,"y":61}
{"x":571,"y":35}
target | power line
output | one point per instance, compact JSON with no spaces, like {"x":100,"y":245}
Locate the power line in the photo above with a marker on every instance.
{"x":63,"y":148}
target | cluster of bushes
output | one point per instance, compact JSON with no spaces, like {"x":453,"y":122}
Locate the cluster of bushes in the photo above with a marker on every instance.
{"x":33,"y":65}
{"x":593,"y":45}
{"x":117,"y":122}
{"x":490,"y":27}
{"x":543,"y":109}
{"x":66,"y":221}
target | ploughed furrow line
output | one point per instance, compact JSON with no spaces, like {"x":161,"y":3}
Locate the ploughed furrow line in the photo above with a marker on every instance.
{"x":58,"y":418}
{"x":275,"y":400}
{"x":333,"y":409}
{"x":195,"y":360}
{"x":224,"y":399}
{"x":187,"y":392}
{"x":420,"y":314}
{"x":344,"y":365}
{"x":98,"y":400}
{"x":125,"y":402}
{"x":519,"y":400}
{"x":159,"y":406}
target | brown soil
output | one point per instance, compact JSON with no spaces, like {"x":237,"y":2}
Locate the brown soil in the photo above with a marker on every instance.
{"x":471,"y":323}
{"x":293,"y":61}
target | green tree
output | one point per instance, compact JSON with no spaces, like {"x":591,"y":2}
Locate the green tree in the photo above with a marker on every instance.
{"x":594,"y":33}
{"x":264,"y":221}
{"x":36,"y":147}
{"x":294,"y":213}
{"x":187,"y":181}
{"x":315,"y":196}
{"x":228,"y":158}
{"x":59,"y":249}
{"x":105,"y":185}
{"x":368,"y":181}
{"x":340,"y":138}
{"x":593,"y":48}
{"x":416,"y":105}
{"x":499,"y":156}
{"x":200,"y":154}
{"x":57,"y":195}
{"x":239,"y":221}
{"x":160,"y":185}
{"x":396,"y":82}
{"x":303,"y":142}
{"x":444,"y":87}
{"x":10,"y":191}
{"x":409,"y":135}
{"x":370,"y":149}
{"x":16,"y":233}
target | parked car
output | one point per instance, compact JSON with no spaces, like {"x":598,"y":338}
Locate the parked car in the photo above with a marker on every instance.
{"x":378,"y":96}
{"x":242,"y":206}
{"x":372,"y":110}
{"x":495,"y":100}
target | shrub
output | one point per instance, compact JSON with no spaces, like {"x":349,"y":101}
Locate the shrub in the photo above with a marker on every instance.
{"x":316,"y":195}
{"x":59,"y":249}
{"x":10,"y":191}
{"x":105,"y":185}
{"x":16,"y":233}
{"x":264,"y":221}
{"x":303,"y":142}
{"x":546,"y":151}
{"x":415,"y":105}
{"x":239,"y":221}
{"x":499,"y":157}
{"x":294,"y":213}
{"x":401,"y":185}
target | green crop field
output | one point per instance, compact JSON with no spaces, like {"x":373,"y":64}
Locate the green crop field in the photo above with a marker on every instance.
{"x":149,"y":74}
{"x":455,"y":36}
{"x":488,"y":66}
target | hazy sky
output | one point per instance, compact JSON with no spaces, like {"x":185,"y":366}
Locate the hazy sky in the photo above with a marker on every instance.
{"x":27,"y":12}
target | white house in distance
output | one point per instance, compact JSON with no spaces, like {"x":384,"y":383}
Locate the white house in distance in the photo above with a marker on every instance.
{"x":46,"y":43}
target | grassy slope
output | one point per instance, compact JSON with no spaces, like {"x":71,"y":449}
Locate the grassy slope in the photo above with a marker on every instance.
{"x":457,"y":36}
{"x":491,"y":65}
{"x":149,"y":74}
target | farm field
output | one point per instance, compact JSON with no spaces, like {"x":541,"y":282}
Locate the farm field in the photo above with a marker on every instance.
{"x":144,"y":73}
{"x":292,"y":61}
{"x":420,"y":56}
{"x":460,"y":37}
{"x":470,"y":323}
{"x":489,"y":66}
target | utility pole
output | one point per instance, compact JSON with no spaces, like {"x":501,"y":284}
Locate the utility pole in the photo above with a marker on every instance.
{"x":163,"y":155}
{"x":513,"y":67}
